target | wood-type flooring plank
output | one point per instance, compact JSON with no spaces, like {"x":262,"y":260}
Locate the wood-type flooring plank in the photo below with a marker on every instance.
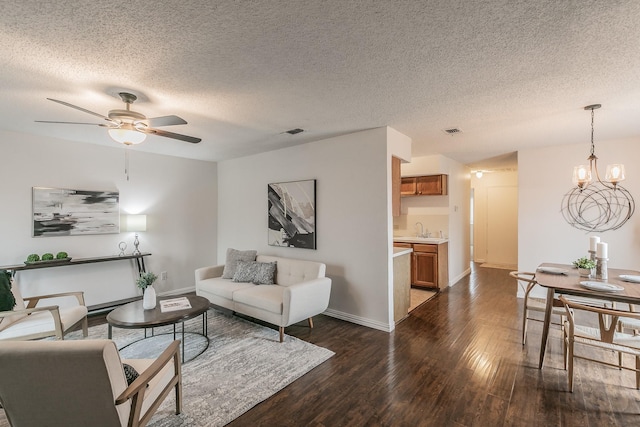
{"x":456,"y":360}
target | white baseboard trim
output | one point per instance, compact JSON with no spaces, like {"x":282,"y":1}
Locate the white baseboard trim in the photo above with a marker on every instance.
{"x":178,"y":291}
{"x":359,"y":320}
{"x":459,"y":277}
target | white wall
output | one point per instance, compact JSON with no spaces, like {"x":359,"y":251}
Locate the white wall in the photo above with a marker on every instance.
{"x":352,"y":216}
{"x":544,"y":177}
{"x":449,"y":214}
{"x":178,"y":196}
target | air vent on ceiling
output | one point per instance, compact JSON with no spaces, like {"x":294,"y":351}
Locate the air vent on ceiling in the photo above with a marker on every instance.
{"x":453,"y":131}
{"x":294,"y":131}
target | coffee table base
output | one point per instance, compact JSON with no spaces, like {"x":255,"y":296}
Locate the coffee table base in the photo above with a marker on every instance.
{"x":182,"y":332}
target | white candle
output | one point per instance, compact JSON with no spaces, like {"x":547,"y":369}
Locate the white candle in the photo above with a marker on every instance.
{"x":602,"y":251}
{"x":593,"y":241}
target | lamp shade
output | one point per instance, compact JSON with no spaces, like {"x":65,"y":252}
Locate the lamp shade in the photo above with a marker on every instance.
{"x":127,"y":134}
{"x":135,"y":223}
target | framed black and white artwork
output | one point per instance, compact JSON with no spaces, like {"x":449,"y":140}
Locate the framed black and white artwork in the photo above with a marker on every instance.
{"x":292,"y":214}
{"x":65,"y":212}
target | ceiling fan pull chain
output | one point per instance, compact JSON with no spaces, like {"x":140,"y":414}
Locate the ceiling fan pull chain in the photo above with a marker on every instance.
{"x":126,"y":162}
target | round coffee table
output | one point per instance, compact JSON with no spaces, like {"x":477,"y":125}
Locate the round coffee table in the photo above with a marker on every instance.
{"x":133,"y":316}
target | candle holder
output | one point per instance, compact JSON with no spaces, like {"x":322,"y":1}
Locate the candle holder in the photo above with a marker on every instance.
{"x":592,"y":255}
{"x":601,"y":268}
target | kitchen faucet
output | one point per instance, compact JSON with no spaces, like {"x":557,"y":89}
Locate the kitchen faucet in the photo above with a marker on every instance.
{"x":422,"y":233}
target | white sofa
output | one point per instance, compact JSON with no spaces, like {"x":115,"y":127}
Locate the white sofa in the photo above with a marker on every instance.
{"x":301,"y":291}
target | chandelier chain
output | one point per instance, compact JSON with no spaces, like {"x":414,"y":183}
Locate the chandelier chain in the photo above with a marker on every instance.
{"x":593,"y":148}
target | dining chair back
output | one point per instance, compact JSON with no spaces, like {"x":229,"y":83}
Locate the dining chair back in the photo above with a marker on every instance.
{"x":533,"y":303}
{"x":604,"y":336}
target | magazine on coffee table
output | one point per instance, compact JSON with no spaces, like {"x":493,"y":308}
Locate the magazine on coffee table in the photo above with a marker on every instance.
{"x":174,"y":304}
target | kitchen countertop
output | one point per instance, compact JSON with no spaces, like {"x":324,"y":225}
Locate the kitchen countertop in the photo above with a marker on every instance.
{"x":401,"y":251}
{"x":426,"y":240}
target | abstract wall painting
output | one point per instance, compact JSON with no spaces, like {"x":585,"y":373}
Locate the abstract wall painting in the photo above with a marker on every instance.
{"x":292,"y":214}
{"x":64,"y":212}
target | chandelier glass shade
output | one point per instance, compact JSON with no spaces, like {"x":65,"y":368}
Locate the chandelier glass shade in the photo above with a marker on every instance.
{"x":595,"y":205}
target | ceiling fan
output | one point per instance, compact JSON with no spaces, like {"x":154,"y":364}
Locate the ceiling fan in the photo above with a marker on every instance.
{"x":130,"y":127}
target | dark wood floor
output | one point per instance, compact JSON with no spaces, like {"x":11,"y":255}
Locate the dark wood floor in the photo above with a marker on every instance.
{"x":457,"y":360}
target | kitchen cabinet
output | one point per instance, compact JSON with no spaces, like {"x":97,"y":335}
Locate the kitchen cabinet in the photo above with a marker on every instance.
{"x":428,"y":185}
{"x":429,"y":264}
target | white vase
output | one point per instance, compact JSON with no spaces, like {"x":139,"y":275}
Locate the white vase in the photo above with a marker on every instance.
{"x":149,"y":298}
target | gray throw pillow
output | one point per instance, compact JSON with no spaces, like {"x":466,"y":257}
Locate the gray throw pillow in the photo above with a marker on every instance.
{"x":258,"y":273}
{"x":266,"y":273}
{"x":233,"y":256}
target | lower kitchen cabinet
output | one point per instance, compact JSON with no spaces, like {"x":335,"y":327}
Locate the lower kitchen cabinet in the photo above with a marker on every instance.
{"x":425,"y":269}
{"x":429,"y":264}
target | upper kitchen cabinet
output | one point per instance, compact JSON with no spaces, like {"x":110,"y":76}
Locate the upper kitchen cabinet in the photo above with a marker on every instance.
{"x":428,"y":185}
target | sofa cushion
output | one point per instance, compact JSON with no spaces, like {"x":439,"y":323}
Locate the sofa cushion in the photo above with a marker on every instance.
{"x":258,"y":273}
{"x":222,"y":287}
{"x":43,"y":322}
{"x":231,"y":263}
{"x":291,"y":271}
{"x":264,"y":297}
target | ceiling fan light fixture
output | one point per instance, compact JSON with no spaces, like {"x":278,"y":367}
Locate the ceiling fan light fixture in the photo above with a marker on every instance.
{"x":127,"y":134}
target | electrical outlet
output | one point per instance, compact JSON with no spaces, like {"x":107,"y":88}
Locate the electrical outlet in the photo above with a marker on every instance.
{"x":163,"y":275}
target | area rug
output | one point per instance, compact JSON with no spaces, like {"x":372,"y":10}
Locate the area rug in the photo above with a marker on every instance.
{"x":243,"y":365}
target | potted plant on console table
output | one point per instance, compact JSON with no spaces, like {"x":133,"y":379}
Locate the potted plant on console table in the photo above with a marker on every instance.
{"x":145,"y":282}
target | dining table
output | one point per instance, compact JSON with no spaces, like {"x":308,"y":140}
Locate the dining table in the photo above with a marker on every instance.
{"x":562,"y":279}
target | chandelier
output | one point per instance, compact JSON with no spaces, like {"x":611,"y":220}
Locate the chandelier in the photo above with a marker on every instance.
{"x":593,"y":204}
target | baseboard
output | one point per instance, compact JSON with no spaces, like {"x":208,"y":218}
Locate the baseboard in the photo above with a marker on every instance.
{"x":178,"y":291}
{"x":460,"y":277}
{"x":359,"y":320}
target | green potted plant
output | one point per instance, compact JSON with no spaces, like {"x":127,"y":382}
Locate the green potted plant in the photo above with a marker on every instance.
{"x":145,"y":282}
{"x":585,"y":266}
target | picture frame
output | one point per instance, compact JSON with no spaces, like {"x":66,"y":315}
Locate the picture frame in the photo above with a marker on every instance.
{"x":69,"y":212}
{"x":292,"y":214}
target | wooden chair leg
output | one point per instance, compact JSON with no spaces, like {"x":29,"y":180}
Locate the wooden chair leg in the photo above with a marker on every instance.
{"x":310,"y":322}
{"x":524,"y":327}
{"x":281,"y":333}
{"x":637,"y":373}
{"x":570,"y":362}
{"x":85,"y":327}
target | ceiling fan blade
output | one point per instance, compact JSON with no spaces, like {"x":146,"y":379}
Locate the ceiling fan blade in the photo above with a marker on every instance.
{"x":79,"y":108}
{"x":166,"y":121}
{"x":164,"y":133}
{"x":68,"y":123}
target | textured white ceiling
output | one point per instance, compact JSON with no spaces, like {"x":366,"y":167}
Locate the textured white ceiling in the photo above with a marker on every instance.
{"x":510,"y":74}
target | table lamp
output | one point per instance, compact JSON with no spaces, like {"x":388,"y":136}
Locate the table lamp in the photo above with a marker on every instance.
{"x":135,"y":223}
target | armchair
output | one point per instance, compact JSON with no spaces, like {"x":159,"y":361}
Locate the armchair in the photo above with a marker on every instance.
{"x":27,"y":322}
{"x":81,"y":383}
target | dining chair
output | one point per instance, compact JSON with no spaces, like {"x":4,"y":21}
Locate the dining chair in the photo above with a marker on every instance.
{"x":604,"y":337}
{"x":533,"y":303}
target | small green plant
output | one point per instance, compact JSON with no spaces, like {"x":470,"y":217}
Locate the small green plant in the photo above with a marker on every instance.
{"x":33,"y":258}
{"x":7,"y":300}
{"x":146,"y":279}
{"x":584,"y":262}
{"x":47,"y":257}
{"x":62,"y":255}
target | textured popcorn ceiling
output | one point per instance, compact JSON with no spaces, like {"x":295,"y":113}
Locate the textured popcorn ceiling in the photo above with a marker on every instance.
{"x":509,"y":74}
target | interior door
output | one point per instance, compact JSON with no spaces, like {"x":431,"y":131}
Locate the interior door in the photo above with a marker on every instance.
{"x":502,"y":225}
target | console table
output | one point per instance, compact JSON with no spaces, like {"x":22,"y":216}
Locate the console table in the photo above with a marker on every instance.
{"x":139,"y":259}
